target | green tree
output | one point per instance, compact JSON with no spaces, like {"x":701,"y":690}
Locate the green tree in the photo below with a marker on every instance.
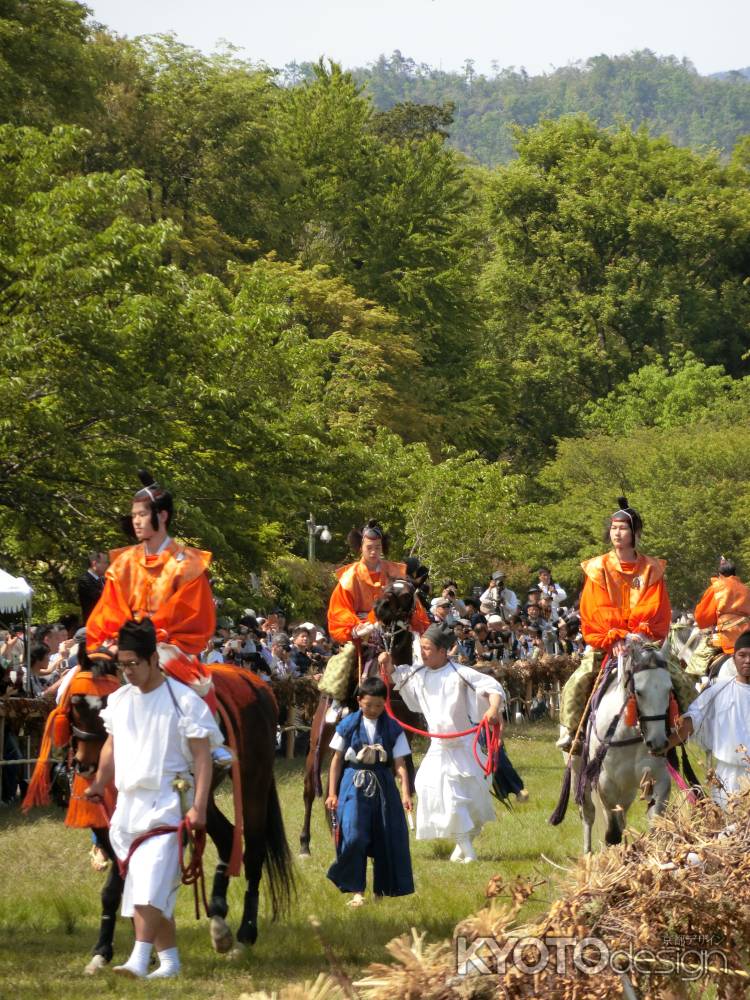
{"x":46,"y":75}
{"x":611,"y":249}
{"x":691,"y":485}
{"x":665,"y":394}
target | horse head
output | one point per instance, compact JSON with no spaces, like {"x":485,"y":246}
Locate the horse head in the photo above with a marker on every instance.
{"x":89,"y":691}
{"x":393,"y":614}
{"x":394,"y":608}
{"x":647,"y":680}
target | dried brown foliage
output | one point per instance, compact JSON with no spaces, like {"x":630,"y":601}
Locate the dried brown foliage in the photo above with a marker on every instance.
{"x":687,"y":878}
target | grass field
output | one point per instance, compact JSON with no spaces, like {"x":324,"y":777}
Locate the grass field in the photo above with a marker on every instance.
{"x":49,"y":896}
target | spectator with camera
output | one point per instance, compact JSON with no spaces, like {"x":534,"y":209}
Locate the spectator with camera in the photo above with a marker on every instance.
{"x":497,"y":599}
{"x":552,"y":590}
{"x":465,"y":648}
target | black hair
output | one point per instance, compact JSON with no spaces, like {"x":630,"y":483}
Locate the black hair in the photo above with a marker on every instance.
{"x":38,"y":653}
{"x":156,"y":497}
{"x":372,"y":529}
{"x":727,"y":567}
{"x":372,"y":686}
{"x":635,"y":519}
{"x":93,"y":557}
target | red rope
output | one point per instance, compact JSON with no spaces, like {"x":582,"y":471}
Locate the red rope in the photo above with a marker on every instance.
{"x":491,"y":731}
{"x":192,"y":872}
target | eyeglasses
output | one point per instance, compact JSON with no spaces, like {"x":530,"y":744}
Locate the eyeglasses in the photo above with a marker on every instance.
{"x":124,"y":664}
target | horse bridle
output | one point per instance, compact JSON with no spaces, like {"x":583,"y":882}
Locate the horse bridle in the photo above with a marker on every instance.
{"x":391,"y":632}
{"x":630,"y":688}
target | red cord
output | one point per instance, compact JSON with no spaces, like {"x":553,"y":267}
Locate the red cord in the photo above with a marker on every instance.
{"x":491,"y":732}
{"x":192,"y":872}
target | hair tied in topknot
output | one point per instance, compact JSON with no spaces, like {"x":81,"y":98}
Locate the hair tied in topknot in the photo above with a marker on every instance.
{"x":622,"y":503}
{"x":146,"y":478}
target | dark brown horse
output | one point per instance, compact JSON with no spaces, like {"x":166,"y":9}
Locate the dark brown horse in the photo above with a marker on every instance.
{"x":393,"y":613}
{"x":248,"y":704}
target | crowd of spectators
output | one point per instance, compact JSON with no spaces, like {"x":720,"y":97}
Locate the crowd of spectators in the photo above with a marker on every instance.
{"x":494,"y":624}
{"x":269,"y":647}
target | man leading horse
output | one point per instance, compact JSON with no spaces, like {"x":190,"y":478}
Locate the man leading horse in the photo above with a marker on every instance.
{"x":351,"y":615}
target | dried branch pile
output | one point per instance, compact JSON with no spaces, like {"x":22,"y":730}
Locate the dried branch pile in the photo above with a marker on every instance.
{"x":681,"y":891}
{"x":521,"y":676}
{"x":302,"y":692}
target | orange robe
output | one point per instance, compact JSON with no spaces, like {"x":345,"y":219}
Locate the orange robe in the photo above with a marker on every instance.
{"x":726,"y":605}
{"x":170,"y":588}
{"x":620,"y":599}
{"x":353,"y":599}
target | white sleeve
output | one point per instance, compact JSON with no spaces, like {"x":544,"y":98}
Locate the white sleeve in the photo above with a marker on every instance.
{"x":196,"y":721}
{"x":560,"y":594}
{"x":405,"y":681}
{"x":401,"y":747}
{"x":511,"y":601}
{"x":106,"y":717}
{"x":337,"y":742}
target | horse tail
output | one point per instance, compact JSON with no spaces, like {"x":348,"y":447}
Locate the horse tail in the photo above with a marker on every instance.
{"x":278,"y":858}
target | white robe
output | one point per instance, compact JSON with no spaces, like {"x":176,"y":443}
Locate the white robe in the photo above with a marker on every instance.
{"x":453,"y":792}
{"x":721,"y":724}
{"x":150,"y":750}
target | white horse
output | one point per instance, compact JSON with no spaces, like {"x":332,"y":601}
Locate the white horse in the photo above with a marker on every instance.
{"x":685,"y":640}
{"x":632,"y":754}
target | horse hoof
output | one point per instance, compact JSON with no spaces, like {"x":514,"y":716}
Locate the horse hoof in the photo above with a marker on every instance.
{"x":238,"y":951}
{"x":97,"y":963}
{"x":222,"y":938}
{"x":304,"y":855}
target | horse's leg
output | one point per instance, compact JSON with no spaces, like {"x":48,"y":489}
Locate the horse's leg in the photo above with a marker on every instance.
{"x":221,"y":832}
{"x":587,"y":809}
{"x":312,"y":785}
{"x":265,"y":844}
{"x":662,"y":789}
{"x":411,"y":773}
{"x":111,"y":897}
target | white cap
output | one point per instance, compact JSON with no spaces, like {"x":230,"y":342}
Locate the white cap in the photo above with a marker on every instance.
{"x":308,"y":625}
{"x":494,"y":619}
{"x":249,"y":613}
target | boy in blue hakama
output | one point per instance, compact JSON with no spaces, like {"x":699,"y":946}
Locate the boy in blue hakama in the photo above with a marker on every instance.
{"x":369,"y":811}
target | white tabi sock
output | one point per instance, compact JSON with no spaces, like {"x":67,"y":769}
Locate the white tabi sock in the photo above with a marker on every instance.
{"x":169,"y":964}
{"x":467,"y":848}
{"x":137,"y":964}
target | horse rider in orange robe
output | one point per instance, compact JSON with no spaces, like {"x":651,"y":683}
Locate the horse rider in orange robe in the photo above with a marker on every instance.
{"x":351,"y":614}
{"x":624,"y":595}
{"x":160,"y":579}
{"x":725,"y":606}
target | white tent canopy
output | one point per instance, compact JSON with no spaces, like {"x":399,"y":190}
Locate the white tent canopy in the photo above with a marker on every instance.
{"x":15,"y":593}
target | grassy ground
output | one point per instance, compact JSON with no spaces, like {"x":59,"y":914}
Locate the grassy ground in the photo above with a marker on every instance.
{"x":49,"y":904}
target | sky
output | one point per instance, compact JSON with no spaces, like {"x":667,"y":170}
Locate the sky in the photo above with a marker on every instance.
{"x":538,"y":34}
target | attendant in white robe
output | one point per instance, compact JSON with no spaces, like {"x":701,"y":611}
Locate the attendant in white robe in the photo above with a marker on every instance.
{"x":159,"y":730}
{"x":719,"y":721}
{"x":453,"y":792}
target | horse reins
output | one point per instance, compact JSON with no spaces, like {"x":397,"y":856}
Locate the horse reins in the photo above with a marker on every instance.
{"x":630,"y":687}
{"x":191,"y":873}
{"x":484,"y":729}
